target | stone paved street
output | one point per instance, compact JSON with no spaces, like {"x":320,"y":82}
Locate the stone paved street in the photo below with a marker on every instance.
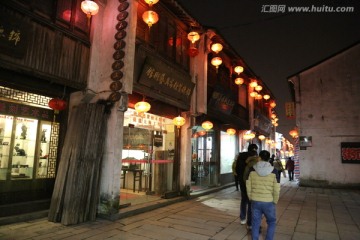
{"x":302,"y":214}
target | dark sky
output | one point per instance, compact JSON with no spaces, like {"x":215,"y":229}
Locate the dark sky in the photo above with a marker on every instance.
{"x":276,"y":45}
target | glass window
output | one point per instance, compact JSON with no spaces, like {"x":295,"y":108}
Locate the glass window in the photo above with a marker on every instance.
{"x":27,"y":147}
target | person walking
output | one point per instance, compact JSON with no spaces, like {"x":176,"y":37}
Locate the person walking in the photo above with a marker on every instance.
{"x":290,"y":166}
{"x":236,"y":177}
{"x":245,"y":205}
{"x":263,"y":191}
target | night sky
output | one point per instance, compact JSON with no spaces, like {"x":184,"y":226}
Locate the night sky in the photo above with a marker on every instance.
{"x":277,"y":44}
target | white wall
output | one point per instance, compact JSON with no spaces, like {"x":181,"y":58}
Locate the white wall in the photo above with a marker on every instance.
{"x":328,"y":103}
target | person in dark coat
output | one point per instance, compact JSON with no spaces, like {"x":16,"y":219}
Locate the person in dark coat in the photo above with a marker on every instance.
{"x":245,"y":205}
{"x":290,"y":166}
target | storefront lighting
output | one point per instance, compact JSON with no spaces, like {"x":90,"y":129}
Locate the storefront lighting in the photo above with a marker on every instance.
{"x":230,"y":131}
{"x":239,"y":81}
{"x":179,"y":121}
{"x":142,"y":107}
{"x":207,"y":125}
{"x":258,"y":97}
{"x":249,"y":135}
{"x":261,"y":137}
{"x":193,"y":37}
{"x":151,"y":2}
{"x":150,"y":18}
{"x":266,"y":97}
{"x":90,"y":8}
{"x":238,"y":69}
{"x":216,"y":47}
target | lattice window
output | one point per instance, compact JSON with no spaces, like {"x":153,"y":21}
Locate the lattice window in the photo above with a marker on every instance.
{"x":24,"y":97}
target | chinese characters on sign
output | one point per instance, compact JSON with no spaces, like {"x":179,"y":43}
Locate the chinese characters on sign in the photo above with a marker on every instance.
{"x":290,"y":110}
{"x":13,"y":33}
{"x":165,"y":79}
{"x":25,"y":111}
{"x":350,"y":152}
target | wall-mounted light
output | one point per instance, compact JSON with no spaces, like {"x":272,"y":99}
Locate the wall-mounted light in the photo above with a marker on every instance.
{"x":90,"y":8}
{"x":179,"y":121}
{"x":239,"y":81}
{"x":150,"y":18}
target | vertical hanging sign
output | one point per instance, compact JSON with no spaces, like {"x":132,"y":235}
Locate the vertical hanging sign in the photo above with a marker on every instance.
{"x":290,"y":110}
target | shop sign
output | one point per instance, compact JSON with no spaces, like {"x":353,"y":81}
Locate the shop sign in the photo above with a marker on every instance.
{"x":290,"y":110}
{"x":13,"y":35}
{"x":222,"y":100}
{"x":350,"y":152}
{"x":161,"y":77}
{"x":9,"y":108}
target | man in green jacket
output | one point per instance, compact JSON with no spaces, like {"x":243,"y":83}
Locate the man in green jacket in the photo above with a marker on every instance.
{"x":263,"y":191}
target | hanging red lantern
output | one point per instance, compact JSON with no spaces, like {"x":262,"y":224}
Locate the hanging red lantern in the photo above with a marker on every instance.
{"x":57,"y":104}
{"x":193,"y":51}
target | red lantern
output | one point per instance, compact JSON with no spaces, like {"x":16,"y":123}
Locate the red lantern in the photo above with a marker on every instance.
{"x":57,"y":104}
{"x":193,"y":51}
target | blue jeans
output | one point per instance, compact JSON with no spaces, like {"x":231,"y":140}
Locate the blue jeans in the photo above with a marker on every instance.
{"x":245,"y":207}
{"x":269,"y":210}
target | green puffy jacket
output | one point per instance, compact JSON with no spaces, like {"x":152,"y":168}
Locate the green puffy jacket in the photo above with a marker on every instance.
{"x":262,"y":185}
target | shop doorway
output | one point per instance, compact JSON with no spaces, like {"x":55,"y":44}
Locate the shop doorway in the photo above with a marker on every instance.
{"x":204,"y":162}
{"x":147,"y":158}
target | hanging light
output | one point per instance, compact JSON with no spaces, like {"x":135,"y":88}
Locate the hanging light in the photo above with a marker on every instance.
{"x":142,"y":107}
{"x":261,"y":137}
{"x":57,"y":104}
{"x":179,"y":121}
{"x":273,"y":104}
{"x":294,"y":133}
{"x":193,"y":51}
{"x":253,"y":94}
{"x":239,"y":81}
{"x":90,"y":8}
{"x":150,"y":18}
{"x":207,"y":125}
{"x":253,"y":83}
{"x":216,"y":47}
{"x":238,"y":69}
{"x":151,"y":2}
{"x":258,"y":97}
{"x":230,"y":131}
{"x":273,"y":115}
{"x":266,"y":97}
{"x":216,"y":61}
{"x":193,"y":36}
{"x":249,"y":135}
{"x":258,"y":88}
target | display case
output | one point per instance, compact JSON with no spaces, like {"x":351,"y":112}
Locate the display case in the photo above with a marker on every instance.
{"x":25,"y":148}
